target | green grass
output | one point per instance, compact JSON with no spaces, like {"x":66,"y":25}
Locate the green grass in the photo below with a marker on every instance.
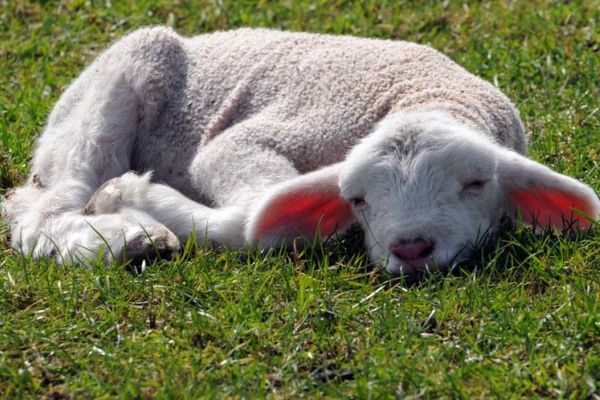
{"x":523,"y":322}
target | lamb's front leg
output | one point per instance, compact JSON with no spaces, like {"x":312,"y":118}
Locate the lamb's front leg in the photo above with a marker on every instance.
{"x":181,"y":215}
{"x":233,"y":171}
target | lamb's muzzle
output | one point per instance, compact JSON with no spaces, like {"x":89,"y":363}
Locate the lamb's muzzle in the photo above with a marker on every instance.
{"x":414,"y":252}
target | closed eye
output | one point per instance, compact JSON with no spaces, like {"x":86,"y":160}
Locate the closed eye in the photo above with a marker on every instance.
{"x":474,"y":185}
{"x":357,"y":201}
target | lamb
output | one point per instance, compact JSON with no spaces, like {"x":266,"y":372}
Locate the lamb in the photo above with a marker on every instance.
{"x":260,"y":137}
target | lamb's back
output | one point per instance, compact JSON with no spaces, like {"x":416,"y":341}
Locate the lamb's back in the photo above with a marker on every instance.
{"x":312,"y":96}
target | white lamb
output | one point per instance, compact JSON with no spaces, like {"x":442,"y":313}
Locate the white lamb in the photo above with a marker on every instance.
{"x":262,"y":137}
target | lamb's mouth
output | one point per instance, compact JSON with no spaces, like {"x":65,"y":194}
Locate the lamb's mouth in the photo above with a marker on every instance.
{"x":412,"y":267}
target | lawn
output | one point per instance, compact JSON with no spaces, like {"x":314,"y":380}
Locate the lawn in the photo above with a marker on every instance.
{"x":522,"y":320}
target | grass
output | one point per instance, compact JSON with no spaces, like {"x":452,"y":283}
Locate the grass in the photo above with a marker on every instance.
{"x":523,"y":321}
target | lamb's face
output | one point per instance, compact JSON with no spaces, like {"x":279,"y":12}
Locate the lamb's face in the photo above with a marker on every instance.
{"x":423,"y":198}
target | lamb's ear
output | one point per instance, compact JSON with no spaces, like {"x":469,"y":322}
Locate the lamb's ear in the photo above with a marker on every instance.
{"x":304,"y":207}
{"x":545,"y":197}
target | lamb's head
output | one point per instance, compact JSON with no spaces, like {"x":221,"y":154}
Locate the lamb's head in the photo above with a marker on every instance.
{"x":426,"y":191}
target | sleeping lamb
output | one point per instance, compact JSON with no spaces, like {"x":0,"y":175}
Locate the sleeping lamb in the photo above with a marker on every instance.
{"x":260,"y":137}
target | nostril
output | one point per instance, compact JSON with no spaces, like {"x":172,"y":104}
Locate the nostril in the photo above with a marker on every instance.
{"x":412,"y":250}
{"x":426,"y":251}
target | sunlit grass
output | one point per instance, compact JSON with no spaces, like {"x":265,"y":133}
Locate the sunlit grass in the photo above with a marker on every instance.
{"x":521,"y":321}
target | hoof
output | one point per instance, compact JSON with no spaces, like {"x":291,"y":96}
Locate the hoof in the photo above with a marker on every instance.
{"x":143,"y":245}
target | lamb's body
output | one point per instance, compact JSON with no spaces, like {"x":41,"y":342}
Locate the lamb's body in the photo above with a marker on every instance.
{"x":223,"y":118}
{"x":306,"y":97}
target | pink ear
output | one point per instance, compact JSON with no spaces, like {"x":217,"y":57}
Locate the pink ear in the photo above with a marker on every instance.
{"x":305,"y":207}
{"x":551,"y":207}
{"x":307,"y":214}
{"x":545,"y":197}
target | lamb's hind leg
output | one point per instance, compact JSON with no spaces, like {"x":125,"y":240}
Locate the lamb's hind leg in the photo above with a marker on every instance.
{"x":88,"y":140}
{"x":55,"y":225}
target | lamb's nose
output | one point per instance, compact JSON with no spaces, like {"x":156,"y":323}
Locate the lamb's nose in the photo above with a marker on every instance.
{"x":415,"y":249}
